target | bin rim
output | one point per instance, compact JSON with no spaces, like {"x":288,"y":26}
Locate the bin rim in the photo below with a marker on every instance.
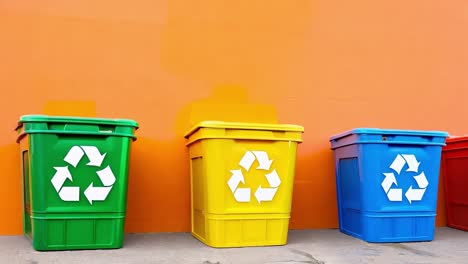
{"x":366,"y":130}
{"x":452,"y":139}
{"x":75,"y":120}
{"x":244,"y":126}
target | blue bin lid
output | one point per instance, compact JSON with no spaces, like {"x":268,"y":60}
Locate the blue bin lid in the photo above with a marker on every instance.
{"x":379,"y":131}
{"x":372,"y":135}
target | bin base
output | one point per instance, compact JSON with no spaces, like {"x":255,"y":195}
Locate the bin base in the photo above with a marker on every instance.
{"x":77,"y":231}
{"x":241,"y":230}
{"x":392,"y":227}
{"x":457,"y":215}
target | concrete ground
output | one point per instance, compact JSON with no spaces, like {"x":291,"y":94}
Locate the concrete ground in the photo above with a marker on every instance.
{"x":311,"y":246}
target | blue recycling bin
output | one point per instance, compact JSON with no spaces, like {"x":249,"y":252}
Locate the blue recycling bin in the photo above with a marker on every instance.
{"x":387,"y":183}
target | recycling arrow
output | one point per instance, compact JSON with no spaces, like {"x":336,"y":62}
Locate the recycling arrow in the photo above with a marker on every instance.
{"x":388,"y":181}
{"x":97,"y":193}
{"x":60,"y":176}
{"x":242,"y":195}
{"x":273,"y":179}
{"x":398,"y":164}
{"x":421,"y":180}
{"x":74,"y":156}
{"x":265,"y":194}
{"x":263,"y":160}
{"x":413,"y":164}
{"x":414,"y":194}
{"x":395,"y":195}
{"x":94,"y":156}
{"x":236,"y":178}
{"x":247,"y":160}
{"x":65,"y":193}
{"x":107,"y":176}
{"x":70,"y":194}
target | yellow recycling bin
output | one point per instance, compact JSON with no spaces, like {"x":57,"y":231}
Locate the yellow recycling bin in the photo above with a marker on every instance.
{"x":242,"y":180}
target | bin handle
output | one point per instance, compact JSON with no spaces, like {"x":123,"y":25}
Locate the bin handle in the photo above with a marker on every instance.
{"x":391,"y":138}
{"x":92,"y":128}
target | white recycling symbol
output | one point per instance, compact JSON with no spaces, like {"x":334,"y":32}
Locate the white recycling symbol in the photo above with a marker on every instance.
{"x":412,"y":194}
{"x":72,"y":194}
{"x":261,"y":194}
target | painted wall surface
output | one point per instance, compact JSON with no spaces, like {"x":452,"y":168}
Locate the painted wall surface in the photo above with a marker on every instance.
{"x":327,"y":65}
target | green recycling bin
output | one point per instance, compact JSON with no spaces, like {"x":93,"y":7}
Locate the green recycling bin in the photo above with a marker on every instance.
{"x":74,"y":173}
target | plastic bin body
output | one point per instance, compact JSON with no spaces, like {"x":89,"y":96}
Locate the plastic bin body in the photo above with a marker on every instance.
{"x":74,"y":181}
{"x":224,"y":213}
{"x":455,"y":169}
{"x":380,"y":176}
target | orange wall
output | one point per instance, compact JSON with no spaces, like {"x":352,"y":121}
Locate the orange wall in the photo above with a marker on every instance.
{"x":327,"y":65}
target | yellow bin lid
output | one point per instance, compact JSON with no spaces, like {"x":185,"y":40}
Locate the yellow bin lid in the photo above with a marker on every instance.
{"x":255,"y":131}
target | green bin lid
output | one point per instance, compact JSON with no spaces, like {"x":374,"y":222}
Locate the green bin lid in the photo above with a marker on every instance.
{"x":75,"y":120}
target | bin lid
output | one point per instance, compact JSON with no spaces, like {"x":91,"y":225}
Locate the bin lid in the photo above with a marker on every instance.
{"x":245,"y":126}
{"x":390,"y":132}
{"x":75,"y":120}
